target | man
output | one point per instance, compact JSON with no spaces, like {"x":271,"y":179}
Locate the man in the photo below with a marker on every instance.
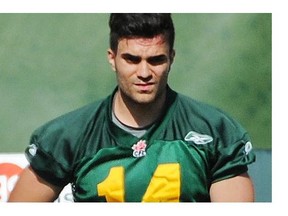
{"x":144,"y":142}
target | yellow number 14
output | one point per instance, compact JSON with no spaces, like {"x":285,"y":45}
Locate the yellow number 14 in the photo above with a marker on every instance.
{"x":163,"y":187}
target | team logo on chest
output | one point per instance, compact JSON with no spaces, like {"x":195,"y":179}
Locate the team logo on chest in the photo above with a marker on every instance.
{"x":139,"y":149}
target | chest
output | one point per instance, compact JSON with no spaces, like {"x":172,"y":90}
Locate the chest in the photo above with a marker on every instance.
{"x":162,"y":171}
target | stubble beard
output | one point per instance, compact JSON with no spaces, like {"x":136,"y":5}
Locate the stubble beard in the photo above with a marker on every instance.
{"x":146,"y":100}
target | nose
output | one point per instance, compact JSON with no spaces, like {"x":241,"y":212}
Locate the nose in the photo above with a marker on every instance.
{"x":144,"y":71}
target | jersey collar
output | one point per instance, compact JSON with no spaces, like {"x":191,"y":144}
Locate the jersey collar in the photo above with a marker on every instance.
{"x":126,"y":139}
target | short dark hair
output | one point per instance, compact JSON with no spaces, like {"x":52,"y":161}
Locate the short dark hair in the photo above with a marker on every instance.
{"x":133,"y":25}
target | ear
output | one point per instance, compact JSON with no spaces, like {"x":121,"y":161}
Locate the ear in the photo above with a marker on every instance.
{"x":111,"y":58}
{"x":172,"y":56}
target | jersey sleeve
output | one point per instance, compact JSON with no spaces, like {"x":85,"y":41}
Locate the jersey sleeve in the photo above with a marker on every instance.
{"x":49,"y":154}
{"x":54,"y":147}
{"x":232,"y":151}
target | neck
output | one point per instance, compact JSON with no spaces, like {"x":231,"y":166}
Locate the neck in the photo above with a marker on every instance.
{"x":137,"y":115}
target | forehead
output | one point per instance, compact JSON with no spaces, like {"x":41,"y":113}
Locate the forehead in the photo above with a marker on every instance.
{"x":141,"y":44}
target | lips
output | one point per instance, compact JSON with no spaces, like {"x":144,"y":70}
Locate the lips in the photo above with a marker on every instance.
{"x":144,"y":87}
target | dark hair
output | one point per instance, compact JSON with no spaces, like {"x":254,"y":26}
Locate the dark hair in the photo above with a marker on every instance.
{"x":132,"y":25}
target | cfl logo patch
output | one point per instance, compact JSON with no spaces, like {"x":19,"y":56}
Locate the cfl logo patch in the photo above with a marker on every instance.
{"x":139,"y":149}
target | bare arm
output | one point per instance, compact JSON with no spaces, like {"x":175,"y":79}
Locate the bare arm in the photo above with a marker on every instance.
{"x":31,"y":188}
{"x":237,"y":189}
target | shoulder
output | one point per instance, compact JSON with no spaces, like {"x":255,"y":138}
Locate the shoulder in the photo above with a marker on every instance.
{"x":54,"y":146}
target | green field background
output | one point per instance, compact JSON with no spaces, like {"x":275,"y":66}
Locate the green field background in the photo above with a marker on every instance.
{"x":51,"y":64}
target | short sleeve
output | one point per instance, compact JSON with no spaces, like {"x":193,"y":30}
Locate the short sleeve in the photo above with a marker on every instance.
{"x":49,"y":153}
{"x":233,"y":151}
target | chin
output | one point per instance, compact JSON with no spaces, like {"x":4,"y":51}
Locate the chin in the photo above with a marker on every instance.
{"x":144,"y":99}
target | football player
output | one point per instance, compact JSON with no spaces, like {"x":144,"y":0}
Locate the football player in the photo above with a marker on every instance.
{"x":143,"y":143}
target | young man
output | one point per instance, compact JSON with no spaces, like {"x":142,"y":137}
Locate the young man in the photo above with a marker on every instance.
{"x":144,"y":142}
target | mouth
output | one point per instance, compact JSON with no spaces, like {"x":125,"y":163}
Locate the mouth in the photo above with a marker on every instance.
{"x":145,"y":87}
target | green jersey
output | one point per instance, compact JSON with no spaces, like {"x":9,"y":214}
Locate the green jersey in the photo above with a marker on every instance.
{"x":190,"y":147}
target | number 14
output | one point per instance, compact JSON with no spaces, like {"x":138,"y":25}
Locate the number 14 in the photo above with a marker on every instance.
{"x":163,"y":187}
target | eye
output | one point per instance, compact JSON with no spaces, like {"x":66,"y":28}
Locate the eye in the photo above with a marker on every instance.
{"x":131,"y":59}
{"x":157,"y":60}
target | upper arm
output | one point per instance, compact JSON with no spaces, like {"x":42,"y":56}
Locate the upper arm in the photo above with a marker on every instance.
{"x":236,"y":189}
{"x":32,"y":188}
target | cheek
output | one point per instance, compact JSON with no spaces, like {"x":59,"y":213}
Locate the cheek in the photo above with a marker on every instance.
{"x":121,"y":78}
{"x":162,"y":73}
{"x":123,"y":69}
{"x":124,"y":78}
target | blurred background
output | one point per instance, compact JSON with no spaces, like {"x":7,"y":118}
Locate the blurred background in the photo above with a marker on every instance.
{"x":51,"y":64}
